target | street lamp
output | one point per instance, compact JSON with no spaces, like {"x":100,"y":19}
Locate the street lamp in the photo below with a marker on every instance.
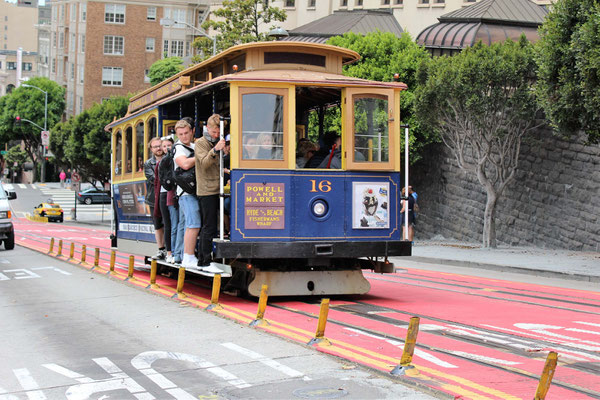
{"x":43,"y":178}
{"x":170,"y":22}
{"x":278,"y":33}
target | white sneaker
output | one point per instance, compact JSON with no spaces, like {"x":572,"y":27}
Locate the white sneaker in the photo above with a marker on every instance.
{"x":170,"y":259}
{"x":211,"y":269}
{"x":189,"y":262}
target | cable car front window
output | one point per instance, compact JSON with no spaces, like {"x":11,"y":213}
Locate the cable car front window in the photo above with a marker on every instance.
{"x":262,"y":126}
{"x":371,"y":129}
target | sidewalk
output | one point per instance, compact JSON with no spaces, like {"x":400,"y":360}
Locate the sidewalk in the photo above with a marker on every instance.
{"x":565,"y":264}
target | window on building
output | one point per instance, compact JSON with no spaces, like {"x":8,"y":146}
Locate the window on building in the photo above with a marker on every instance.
{"x":398,"y":2}
{"x":72,"y":71}
{"x":54,"y":13}
{"x":27,"y":66}
{"x":150,"y":43}
{"x":61,"y":40}
{"x":290,"y":3}
{"x":439,"y":1}
{"x":80,"y":73}
{"x":6,"y":18}
{"x":177,"y":15}
{"x":188,"y":48}
{"x":72,"y":46}
{"x":151,"y":14}
{"x":146,"y":76}
{"x":166,"y":48}
{"x":11,"y":65}
{"x":73,"y":13}
{"x":343,"y":3}
{"x":114,"y":13}
{"x":112,"y":76}
{"x":83,"y":11}
{"x":53,"y":66}
{"x":54,"y":40}
{"x":423,"y":1}
{"x":62,"y":13}
{"x":312,"y":3}
{"x":79,"y":104}
{"x":0,"y":64}
{"x":114,"y":45}
{"x":82,"y":43}
{"x":385,"y":2}
{"x":176,"y":48}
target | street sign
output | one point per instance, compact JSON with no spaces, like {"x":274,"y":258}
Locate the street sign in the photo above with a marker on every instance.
{"x":75,"y":177}
{"x":45,"y":138}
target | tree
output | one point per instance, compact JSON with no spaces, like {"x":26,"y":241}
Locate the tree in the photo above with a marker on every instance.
{"x":28,"y":103}
{"x":569,"y":67}
{"x":83,"y":143}
{"x":383,"y":54}
{"x":237,"y":22}
{"x":164,"y":68}
{"x":481,"y":103}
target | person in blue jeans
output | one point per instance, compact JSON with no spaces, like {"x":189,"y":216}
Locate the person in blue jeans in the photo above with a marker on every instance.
{"x":177,"y":230}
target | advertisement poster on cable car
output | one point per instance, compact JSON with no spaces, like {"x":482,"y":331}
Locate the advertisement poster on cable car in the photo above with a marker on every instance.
{"x":370,"y":205}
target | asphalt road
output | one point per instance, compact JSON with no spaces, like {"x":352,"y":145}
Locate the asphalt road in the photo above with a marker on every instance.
{"x":68,"y":333}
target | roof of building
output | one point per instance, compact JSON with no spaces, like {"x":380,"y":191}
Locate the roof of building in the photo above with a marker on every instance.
{"x":490,"y":21}
{"x":340,"y":22}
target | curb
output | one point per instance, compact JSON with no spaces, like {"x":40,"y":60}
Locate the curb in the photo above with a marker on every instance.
{"x":506,"y":268}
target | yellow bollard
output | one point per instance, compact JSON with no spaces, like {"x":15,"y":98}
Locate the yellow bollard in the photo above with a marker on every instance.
{"x":180,"y":280}
{"x":130,"y":270}
{"x":59,"y":254}
{"x":72,"y":251}
{"x":214,"y":298}
{"x":409,"y":347}
{"x":51,"y":246}
{"x":113,"y":255}
{"x":547,"y":375}
{"x":262,"y":306}
{"x":83,"y":253}
{"x":97,"y":258}
{"x":320,"y":334}
{"x":153,"y":271}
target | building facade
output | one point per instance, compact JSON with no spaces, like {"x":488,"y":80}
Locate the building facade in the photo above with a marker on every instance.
{"x":100,"y":49}
{"x":13,"y":17}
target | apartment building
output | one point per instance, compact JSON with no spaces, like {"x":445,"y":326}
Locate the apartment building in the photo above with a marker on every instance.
{"x":104,"y":48}
{"x":16,"y":22}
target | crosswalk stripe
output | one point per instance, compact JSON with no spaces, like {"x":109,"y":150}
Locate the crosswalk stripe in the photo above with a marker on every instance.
{"x":22,"y":186}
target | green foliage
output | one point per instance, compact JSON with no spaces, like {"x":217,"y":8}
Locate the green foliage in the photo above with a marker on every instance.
{"x":237,"y":22}
{"x":568,"y":58}
{"x":164,"y":68}
{"x":28,"y":103}
{"x":82,"y":142}
{"x":382,"y":55}
{"x":16,"y":155}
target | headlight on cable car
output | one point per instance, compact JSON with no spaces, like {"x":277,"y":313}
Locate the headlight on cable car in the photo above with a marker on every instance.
{"x":320,"y":208}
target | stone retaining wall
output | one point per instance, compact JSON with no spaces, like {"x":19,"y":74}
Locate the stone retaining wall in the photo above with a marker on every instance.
{"x":553,"y":203}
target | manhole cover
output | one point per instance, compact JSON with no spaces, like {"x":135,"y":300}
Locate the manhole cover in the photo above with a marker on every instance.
{"x":319,"y":393}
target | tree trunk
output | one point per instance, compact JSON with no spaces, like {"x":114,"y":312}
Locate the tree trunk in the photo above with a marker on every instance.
{"x":489,"y":220}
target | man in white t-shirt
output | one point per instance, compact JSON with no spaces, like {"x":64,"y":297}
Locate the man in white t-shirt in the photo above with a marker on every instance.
{"x":188,"y":203}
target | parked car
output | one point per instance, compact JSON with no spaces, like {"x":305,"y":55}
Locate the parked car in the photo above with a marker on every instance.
{"x":7,"y":231}
{"x":93,"y":195}
{"x":50,"y":210}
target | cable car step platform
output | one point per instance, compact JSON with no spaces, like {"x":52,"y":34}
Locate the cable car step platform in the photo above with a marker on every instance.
{"x":226,"y":269}
{"x":311,"y":249}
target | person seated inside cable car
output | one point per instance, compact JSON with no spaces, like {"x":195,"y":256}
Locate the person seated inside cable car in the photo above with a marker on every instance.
{"x":328,"y":140}
{"x":304,"y":151}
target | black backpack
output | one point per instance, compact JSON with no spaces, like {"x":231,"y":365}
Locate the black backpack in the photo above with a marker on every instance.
{"x":186,"y":178}
{"x":166,"y":175}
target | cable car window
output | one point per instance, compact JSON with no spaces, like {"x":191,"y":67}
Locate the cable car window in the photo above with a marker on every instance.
{"x":371,"y":129}
{"x":128,"y":148}
{"x":262,"y":126}
{"x":152,"y":131}
{"x":139,"y":146}
{"x":118,"y":153}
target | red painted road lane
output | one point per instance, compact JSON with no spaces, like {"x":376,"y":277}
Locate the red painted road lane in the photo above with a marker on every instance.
{"x":457,"y":324}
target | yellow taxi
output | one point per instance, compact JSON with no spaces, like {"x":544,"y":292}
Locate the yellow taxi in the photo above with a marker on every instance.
{"x":50,"y":210}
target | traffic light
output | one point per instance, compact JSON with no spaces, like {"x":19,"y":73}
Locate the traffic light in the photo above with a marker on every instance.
{"x":17,"y":120}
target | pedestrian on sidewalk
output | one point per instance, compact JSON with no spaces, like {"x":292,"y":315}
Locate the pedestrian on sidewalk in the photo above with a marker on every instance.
{"x":407,"y":203}
{"x":62,"y":176}
{"x":68,"y":178}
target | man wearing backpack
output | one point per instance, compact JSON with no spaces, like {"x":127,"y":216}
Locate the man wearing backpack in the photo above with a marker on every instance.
{"x":150,"y":173}
{"x":208,"y":174}
{"x":189,"y":207}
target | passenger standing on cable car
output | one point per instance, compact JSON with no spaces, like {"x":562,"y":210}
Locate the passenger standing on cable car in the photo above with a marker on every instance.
{"x":207,"y":178}
{"x":150,"y":173}
{"x":188,"y":202}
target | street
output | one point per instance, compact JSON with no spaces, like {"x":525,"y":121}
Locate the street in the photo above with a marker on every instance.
{"x":481,"y":335}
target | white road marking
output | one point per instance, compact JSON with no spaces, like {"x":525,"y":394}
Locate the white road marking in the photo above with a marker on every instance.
{"x":545,"y":330}
{"x":5,"y":396}
{"x":23,"y":273}
{"x":88,"y":386}
{"x":419,"y":353}
{"x":4,"y":278}
{"x":265,"y":360}
{"x":582,"y":331}
{"x":8,"y":186}
{"x":53,"y":269}
{"x":478,"y":357}
{"x":22,"y":186}
{"x":28,"y":383}
{"x":4,"y":261}
{"x":143,"y":362}
{"x":587,"y":323}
